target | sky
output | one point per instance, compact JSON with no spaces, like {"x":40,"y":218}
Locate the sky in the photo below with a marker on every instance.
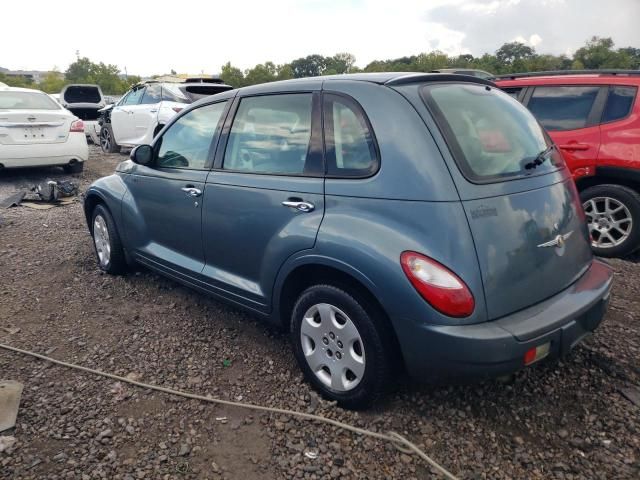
{"x":196,"y":37}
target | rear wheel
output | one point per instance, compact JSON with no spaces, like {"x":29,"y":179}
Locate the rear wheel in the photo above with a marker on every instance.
{"x":340,"y":346}
{"x":107,"y":140}
{"x":613,"y":217}
{"x":106,"y":242}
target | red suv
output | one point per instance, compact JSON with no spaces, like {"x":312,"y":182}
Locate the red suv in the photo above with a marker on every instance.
{"x":594,"y":119}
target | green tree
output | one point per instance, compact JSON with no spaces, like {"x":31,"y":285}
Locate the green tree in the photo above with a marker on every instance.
{"x":107,"y":76}
{"x":285,"y":72}
{"x":309,"y":66}
{"x":339,"y":63}
{"x":514,"y":52}
{"x":634,"y":56}
{"x":261,"y":73}
{"x":599,"y":53}
{"x":425,"y":62}
{"x":52,"y":82}
{"x":21,"y":82}
{"x":80,"y":71}
{"x":232,"y":75}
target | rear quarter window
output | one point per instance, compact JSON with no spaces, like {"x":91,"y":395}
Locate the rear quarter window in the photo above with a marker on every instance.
{"x":492,"y":137}
{"x":619,"y":103}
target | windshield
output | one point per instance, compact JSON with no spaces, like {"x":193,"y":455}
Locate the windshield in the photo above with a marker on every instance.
{"x":27,"y":101}
{"x":491,"y":136}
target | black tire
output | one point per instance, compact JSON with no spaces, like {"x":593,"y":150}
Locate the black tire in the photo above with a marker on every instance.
{"x":75,"y":167}
{"x":116,"y":262}
{"x":625,"y":196}
{"x":377,"y":352}
{"x":107,"y":140}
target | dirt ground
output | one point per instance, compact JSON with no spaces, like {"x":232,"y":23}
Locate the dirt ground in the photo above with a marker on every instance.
{"x":565,"y":420}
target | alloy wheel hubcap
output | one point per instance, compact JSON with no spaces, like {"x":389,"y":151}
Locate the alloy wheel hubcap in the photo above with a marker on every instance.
{"x":106,"y":139}
{"x":609,"y":221}
{"x":332,"y":347}
{"x":101,"y":240}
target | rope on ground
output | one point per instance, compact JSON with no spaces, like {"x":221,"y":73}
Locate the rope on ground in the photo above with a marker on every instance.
{"x":400,"y":442}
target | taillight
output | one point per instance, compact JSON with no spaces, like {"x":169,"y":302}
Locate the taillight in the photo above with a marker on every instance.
{"x":438,"y":285}
{"x":77,"y":126}
{"x":177,"y":109}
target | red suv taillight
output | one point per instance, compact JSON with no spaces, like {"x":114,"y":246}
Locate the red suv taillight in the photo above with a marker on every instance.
{"x":438,"y":285}
{"x":77,"y":126}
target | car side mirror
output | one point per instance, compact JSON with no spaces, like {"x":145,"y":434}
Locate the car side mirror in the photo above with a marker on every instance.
{"x":142,"y":155}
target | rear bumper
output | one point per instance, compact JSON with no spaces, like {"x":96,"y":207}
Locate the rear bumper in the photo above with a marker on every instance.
{"x":45,"y":154}
{"x":497,"y":348}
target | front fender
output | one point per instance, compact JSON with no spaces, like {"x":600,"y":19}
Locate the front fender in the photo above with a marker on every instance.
{"x":109,"y":191}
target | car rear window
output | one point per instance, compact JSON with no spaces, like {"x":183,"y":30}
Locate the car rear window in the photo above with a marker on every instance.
{"x":27,"y":101}
{"x":85,"y":94}
{"x":196,"y":92}
{"x":619,"y":103}
{"x":491,"y":136}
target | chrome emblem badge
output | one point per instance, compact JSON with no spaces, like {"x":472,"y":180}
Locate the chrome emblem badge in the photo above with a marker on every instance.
{"x":560,"y":241}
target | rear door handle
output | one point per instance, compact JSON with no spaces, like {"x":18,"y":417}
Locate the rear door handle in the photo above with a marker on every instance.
{"x":300,"y":205}
{"x":575,"y":146}
{"x":191,"y":191}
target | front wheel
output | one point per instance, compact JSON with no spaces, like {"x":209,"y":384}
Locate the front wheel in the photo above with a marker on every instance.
{"x":106,"y":242}
{"x":340,"y":346}
{"x":613,"y":218}
{"x":107,"y":140}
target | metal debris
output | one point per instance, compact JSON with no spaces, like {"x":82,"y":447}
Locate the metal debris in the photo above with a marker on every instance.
{"x":10,"y":392}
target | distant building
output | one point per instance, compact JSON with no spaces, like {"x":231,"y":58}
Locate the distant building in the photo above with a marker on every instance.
{"x":35,"y":75}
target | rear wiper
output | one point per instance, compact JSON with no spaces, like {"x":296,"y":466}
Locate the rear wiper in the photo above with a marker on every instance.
{"x":540,"y":158}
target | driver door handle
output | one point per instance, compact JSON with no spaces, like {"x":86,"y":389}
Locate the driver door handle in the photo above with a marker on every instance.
{"x":300,"y":205}
{"x":191,"y":191}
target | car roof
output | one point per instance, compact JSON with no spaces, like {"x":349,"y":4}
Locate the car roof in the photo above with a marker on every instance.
{"x":380,"y":78}
{"x":579,"y":77}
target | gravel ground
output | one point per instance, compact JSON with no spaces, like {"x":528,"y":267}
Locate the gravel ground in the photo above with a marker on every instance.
{"x":565,"y":420}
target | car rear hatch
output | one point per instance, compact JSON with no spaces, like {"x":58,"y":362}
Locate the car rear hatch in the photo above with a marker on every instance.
{"x":83,"y":101}
{"x":31,"y":118}
{"x":522,"y":206}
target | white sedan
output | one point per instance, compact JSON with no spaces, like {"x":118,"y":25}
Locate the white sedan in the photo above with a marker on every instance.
{"x":35,"y":131}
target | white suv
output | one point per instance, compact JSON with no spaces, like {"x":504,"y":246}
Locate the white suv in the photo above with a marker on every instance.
{"x":145,"y":109}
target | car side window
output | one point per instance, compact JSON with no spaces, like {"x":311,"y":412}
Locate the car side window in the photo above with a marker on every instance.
{"x":187,"y":142}
{"x":152,"y":94}
{"x":563,"y":108}
{"x":123,"y":99}
{"x":270,"y":134}
{"x":349,"y":143}
{"x":619,"y":103}
{"x":133,"y":98}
